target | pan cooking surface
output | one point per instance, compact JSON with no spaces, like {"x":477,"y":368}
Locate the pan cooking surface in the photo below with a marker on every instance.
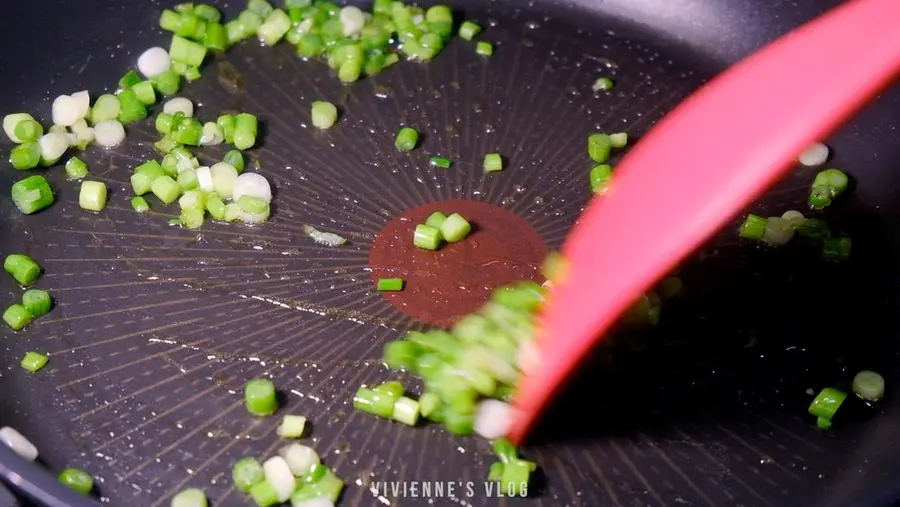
{"x":157,"y":329}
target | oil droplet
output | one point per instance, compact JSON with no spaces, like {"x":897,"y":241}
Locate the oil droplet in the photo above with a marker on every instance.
{"x":531,"y":25}
{"x":519,"y":189}
{"x":539,"y":200}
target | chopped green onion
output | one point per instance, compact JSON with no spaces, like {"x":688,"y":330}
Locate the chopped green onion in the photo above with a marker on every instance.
{"x":17,"y":317}
{"x":23,"y":268}
{"x":795,"y":218}
{"x":390,"y":284}
{"x":215,"y":206}
{"x":504,"y":450}
{"x":407,"y":138}
{"x":165,"y":145}
{"x":406,"y":411}
{"x":81,"y":482}
{"x":25,"y":156}
{"x":603,"y":84}
{"x":191,"y":497}
{"x":192,"y":199}
{"x":235,"y":159}
{"x":868,"y":385}
{"x":260,"y":7}
{"x":618,"y":140}
{"x":131,"y":109}
{"x":163,"y":123}
{"x":232,"y":212}
{"x":245,"y":129}
{"x":246,"y":473}
{"x":392,"y":388}
{"x":514,"y":479}
{"x":429,"y":403}
{"x":192,"y":218}
{"x":130,"y":79}
{"x":459,"y":423}
{"x":207,"y":12}
{"x":167,"y":83}
{"x":814,"y":228}
{"x":260,"y":397}
{"x":144,"y":176}
{"x":322,"y":484}
{"x":495,"y":473}
{"x":455,"y":228}
{"x":779,"y":231}
{"x":165,"y":189}
{"x":468,"y":30}
{"x":493,"y":162}
{"x":273,"y":29}
{"x":34,"y":361}
{"x":37,"y":302}
{"x":324,"y":114}
{"x":140,"y":205}
{"x":189,"y":132}
{"x":599,"y":147}
{"x":253,"y":205}
{"x":187,"y":52}
{"x":292,"y":426}
{"x":375,"y":403}
{"x":92,"y":196}
{"x":836,"y":249}
{"x":106,"y":107}
{"x":28,"y":130}
{"x":436,"y":220}
{"x":427,"y":237}
{"x":826,"y":404}
{"x":600,"y":177}
{"x":485,"y":49}
{"x":310,"y":46}
{"x":754,"y":227}
{"x":144,"y":92}
{"x":443,"y":163}
{"x":32,"y":194}
{"x":76,"y":169}
{"x":400,"y":354}
{"x":264,"y":494}
{"x":9,"y":124}
{"x":828,"y":184}
{"x":226,"y":121}
{"x":216,"y":37}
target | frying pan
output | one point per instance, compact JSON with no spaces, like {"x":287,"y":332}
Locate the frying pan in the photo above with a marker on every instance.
{"x":156,"y":329}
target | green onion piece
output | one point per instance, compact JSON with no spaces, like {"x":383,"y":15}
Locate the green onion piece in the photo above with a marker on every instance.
{"x":599,"y":147}
{"x":292,"y":426}
{"x":260,"y":397}
{"x":189,"y":132}
{"x":245,"y":129}
{"x":34,"y":361}
{"x":32,"y":194}
{"x":390,"y":284}
{"x":188,"y":180}
{"x":28,"y":130}
{"x":193,"y":199}
{"x":273,"y":29}
{"x":836,"y":249}
{"x":820,"y":197}
{"x":495,"y":473}
{"x":316,"y":473}
{"x":253,"y":205}
{"x":455,"y":228}
{"x":131,"y":109}
{"x":189,"y":25}
{"x":165,"y":145}
{"x":406,"y":411}
{"x":868,"y":385}
{"x":92,"y":196}
{"x":429,"y":403}
{"x":76,"y":169}
{"x":246,"y":473}
{"x":372,"y":402}
{"x":328,"y":486}
{"x":226,"y":122}
{"x":192,"y":218}
{"x":144,"y":92}
{"x":17,"y":317}
{"x":169,"y":20}
{"x":163,"y":123}
{"x":504,"y":450}
{"x":167,"y":83}
{"x":618,"y":140}
{"x":493,"y":162}
{"x":443,"y":163}
{"x":37,"y":302}
{"x":436,"y":220}
{"x":140,"y":205}
{"x":468,"y":30}
{"x":754,"y":227}
{"x":187,"y":52}
{"x":427,"y":237}
{"x":392,"y":388}
{"x":814,"y":228}
{"x":459,"y":423}
{"x":25,"y":156}
{"x":600,"y":177}
{"x":144,"y":176}
{"x":130,"y":79}
{"x":165,"y":189}
{"x":23,"y":268}
{"x":207,"y":12}
{"x":264,"y":494}
{"x":602,"y":84}
{"x":310,"y":46}
{"x":81,"y":482}
{"x":515,"y":476}
{"x":382,"y":7}
{"x":407,"y":139}
{"x":260,"y":7}
{"x":350,"y":71}
{"x":236,"y":159}
{"x":827,"y":403}
{"x":835,"y":179}
{"x":232,"y":212}
{"x":823,"y":423}
{"x":106,"y":107}
{"x":324,"y":114}
{"x":215,"y":206}
{"x":485,"y":49}
{"x":400,"y":354}
{"x":191,"y":497}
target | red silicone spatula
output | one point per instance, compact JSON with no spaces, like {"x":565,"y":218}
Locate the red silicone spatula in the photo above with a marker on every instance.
{"x":700,"y":166}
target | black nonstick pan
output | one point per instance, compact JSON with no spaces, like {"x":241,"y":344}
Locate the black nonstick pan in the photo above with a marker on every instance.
{"x":157,"y":328}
